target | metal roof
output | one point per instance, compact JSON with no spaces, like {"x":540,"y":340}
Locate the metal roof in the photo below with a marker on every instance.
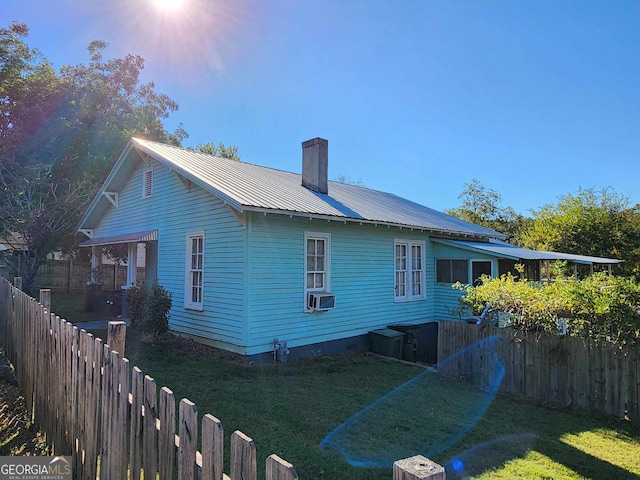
{"x":245,"y":186}
{"x":147,"y":236}
{"x":506,"y":250}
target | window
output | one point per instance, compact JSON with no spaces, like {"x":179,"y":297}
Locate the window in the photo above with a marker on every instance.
{"x":479,"y":268}
{"x":452,"y":271}
{"x":317,"y":263}
{"x":401,"y":270}
{"x":417,"y":271}
{"x":409,"y":270}
{"x":147,"y":182}
{"x":195,"y":271}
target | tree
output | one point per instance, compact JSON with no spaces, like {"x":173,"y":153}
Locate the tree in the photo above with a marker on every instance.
{"x":349,"y":181}
{"x":59,"y":136}
{"x":482,"y":207}
{"x":219,"y":150}
{"x":592,"y":222}
{"x":29,"y":93}
{"x":38,"y":212}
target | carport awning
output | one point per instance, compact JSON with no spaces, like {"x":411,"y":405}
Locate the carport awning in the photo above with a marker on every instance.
{"x":147,"y":236}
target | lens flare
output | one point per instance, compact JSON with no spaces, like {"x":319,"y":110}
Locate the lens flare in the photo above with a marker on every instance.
{"x":427,"y":415}
{"x":169,"y":5}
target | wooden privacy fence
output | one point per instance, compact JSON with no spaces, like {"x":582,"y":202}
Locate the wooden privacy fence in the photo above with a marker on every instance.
{"x":553,"y":369}
{"x":67,"y":276}
{"x":93,"y":406}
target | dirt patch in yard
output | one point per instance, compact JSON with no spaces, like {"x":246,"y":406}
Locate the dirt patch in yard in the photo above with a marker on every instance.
{"x":18,"y":436}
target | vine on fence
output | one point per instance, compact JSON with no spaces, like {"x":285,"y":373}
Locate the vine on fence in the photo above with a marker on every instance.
{"x":602,"y":307}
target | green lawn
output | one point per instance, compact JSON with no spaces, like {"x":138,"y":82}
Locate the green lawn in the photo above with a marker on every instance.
{"x":73,"y":308}
{"x":288,"y":409}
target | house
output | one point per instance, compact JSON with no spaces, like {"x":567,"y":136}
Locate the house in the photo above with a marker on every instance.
{"x":259,"y":259}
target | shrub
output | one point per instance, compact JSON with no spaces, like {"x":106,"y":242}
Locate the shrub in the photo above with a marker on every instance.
{"x":149,"y":309}
{"x":157,"y":306}
{"x":600,"y":306}
{"x":135,"y":296}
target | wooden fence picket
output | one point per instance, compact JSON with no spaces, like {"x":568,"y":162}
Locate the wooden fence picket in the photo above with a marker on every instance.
{"x":243,"y":457}
{"x":549,"y":368}
{"x":135,"y":435}
{"x":92,"y":405}
{"x":188,"y":433}
{"x":212,"y":447}
{"x":167,"y":435}
{"x":92,"y":411}
{"x":105,"y":417}
{"x":279,"y":469}
{"x":149,"y":434}
{"x":120,"y":445}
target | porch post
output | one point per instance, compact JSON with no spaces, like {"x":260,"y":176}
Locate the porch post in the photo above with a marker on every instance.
{"x":548,"y":265}
{"x":150,"y":263}
{"x":96,"y":264}
{"x":132,"y":264}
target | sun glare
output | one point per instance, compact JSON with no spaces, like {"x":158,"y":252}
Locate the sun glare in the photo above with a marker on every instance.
{"x":169,"y":5}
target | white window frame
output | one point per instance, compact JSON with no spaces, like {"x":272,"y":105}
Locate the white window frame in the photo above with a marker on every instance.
{"x":147,"y":180}
{"x":476,"y":260}
{"x":449,"y":259}
{"x":327,"y":264}
{"x":188,"y":281}
{"x":409,"y":271}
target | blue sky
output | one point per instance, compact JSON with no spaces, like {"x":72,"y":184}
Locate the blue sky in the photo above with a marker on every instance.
{"x":534,"y":98}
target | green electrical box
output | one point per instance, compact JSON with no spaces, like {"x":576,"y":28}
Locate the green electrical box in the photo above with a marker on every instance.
{"x":387,"y":342}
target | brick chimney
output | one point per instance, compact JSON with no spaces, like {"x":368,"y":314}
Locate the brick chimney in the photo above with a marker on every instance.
{"x":315,"y":159}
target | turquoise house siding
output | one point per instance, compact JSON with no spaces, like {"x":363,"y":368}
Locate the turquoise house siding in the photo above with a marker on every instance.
{"x":445,"y":296}
{"x":362,"y":278}
{"x":254,"y":273}
{"x":254,"y":262}
{"x":174,"y":211}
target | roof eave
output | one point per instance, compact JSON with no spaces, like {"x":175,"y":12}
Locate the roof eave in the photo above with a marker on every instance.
{"x":363,"y":221}
{"x":444,"y":241}
{"x":99,"y":196}
{"x":226,"y":198}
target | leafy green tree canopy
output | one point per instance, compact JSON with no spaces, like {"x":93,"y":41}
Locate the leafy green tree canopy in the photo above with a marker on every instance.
{"x":482,"y":207}
{"x":219,"y":150}
{"x":592,"y":222}
{"x":60,"y":134}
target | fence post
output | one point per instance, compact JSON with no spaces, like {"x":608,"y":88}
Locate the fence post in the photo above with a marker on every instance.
{"x":17,"y":282}
{"x":116,"y":333}
{"x":279,"y":469}
{"x":45,"y":298}
{"x":418,"y":468}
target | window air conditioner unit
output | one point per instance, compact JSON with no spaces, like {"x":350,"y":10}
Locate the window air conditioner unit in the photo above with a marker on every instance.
{"x":321,"y":301}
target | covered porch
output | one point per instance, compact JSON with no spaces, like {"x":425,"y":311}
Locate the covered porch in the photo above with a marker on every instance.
{"x":538,"y":263}
{"x":141,"y":250}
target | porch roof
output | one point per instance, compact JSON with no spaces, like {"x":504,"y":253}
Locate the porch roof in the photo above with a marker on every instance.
{"x":146,"y":236}
{"x":512,"y":252}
